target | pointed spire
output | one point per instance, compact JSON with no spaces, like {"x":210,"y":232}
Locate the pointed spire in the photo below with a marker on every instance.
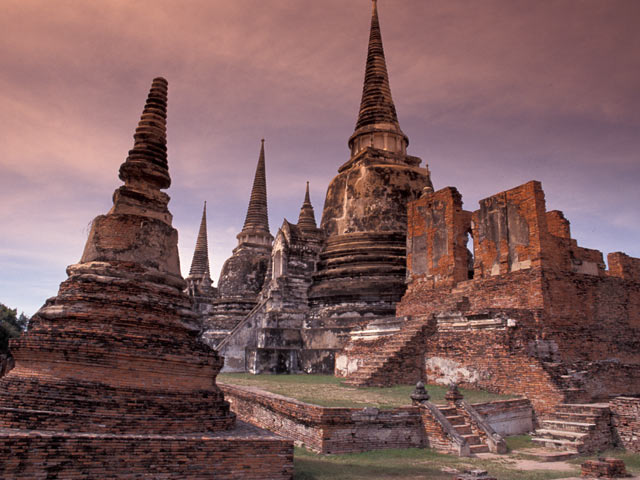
{"x":307,"y":218}
{"x":377,"y":110}
{"x":376,"y":105}
{"x":200,"y":262}
{"x":147,"y":161}
{"x":257,"y":215}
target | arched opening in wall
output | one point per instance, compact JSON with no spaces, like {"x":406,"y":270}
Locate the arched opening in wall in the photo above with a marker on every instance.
{"x":470,"y":252}
{"x":277,"y":264}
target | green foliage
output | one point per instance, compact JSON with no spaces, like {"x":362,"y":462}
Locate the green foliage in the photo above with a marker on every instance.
{"x":11,"y":326}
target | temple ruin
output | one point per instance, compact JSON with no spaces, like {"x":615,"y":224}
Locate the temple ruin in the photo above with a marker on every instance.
{"x":537,"y":315}
{"x":349,"y":271}
{"x":400,"y":284}
{"x":111,"y":381}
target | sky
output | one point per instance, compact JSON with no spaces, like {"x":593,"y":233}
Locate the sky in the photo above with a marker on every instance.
{"x":491,"y":93}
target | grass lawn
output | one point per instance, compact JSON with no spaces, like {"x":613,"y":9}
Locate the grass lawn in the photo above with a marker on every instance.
{"x":329,"y":391}
{"x":410,"y":464}
{"x":415,"y":463}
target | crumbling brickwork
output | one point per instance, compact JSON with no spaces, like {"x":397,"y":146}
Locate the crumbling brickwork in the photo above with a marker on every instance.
{"x":604,"y":468}
{"x":626,"y":422}
{"x":437,"y":239}
{"x":345,"y":430}
{"x":111,"y":380}
{"x":541,"y":316}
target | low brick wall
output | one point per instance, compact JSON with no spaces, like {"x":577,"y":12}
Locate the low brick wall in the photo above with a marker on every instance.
{"x":348,"y":430}
{"x":625,"y":420}
{"x":244,"y":452}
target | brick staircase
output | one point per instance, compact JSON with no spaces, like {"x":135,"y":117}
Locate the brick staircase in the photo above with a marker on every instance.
{"x":398,"y":361}
{"x":576,"y":427}
{"x":465,"y":428}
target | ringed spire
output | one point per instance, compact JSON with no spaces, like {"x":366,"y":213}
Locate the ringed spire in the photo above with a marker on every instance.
{"x":200,"y":262}
{"x":307,"y":217}
{"x":377,"y":124}
{"x":256,"y":222}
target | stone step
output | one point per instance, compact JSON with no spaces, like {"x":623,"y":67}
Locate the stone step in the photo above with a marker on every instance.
{"x":472,"y":439}
{"x":456,"y":419}
{"x":481,"y":448}
{"x":574,"y":417}
{"x":463,"y":429}
{"x":557,"y":443}
{"x":583,"y":408}
{"x":546,"y":455}
{"x":560,"y":434}
{"x":446,"y":410}
{"x":568,"y":426}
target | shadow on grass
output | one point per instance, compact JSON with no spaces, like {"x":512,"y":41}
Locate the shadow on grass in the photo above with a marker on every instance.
{"x":398,"y":464}
{"x":407,"y":464}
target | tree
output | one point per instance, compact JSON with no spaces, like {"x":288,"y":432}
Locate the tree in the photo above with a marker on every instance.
{"x":11,"y":326}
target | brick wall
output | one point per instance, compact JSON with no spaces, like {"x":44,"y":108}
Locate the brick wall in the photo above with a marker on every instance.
{"x":541,"y":317}
{"x":327,"y":430}
{"x":624,"y":266}
{"x":245,"y":453}
{"x":625,"y":419}
{"x":345,"y":430}
{"x":436,"y":243}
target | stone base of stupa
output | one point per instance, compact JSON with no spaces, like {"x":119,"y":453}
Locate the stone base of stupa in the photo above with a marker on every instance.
{"x":245,"y":452}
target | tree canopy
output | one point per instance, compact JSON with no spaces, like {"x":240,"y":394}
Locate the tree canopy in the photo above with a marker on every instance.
{"x":11,"y":326}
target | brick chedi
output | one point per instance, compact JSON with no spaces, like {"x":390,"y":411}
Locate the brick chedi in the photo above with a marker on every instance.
{"x":361,"y":271}
{"x":111,"y":380}
{"x":243,"y":274}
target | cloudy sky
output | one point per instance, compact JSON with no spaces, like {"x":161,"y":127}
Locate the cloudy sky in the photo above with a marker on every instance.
{"x":492,"y":93}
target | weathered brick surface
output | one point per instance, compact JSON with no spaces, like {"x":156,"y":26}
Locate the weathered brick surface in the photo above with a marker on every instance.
{"x":244,"y":453}
{"x":604,"y":468}
{"x":625,"y":420}
{"x":111,"y":380}
{"x":345,"y":430}
{"x":541,"y":317}
{"x":624,"y":266}
{"x":436,"y":241}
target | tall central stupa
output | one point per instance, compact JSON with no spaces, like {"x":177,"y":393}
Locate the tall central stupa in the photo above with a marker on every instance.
{"x":361,"y":271}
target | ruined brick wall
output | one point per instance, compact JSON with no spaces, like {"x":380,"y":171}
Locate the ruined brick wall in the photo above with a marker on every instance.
{"x":624,"y":266}
{"x":625,"y":420}
{"x":540,"y":318}
{"x":509,"y":231}
{"x":436,"y":239}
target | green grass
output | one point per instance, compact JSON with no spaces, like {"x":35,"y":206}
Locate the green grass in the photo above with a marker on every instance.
{"x":519,"y":442}
{"x":408,"y":464}
{"x":329,"y":391}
